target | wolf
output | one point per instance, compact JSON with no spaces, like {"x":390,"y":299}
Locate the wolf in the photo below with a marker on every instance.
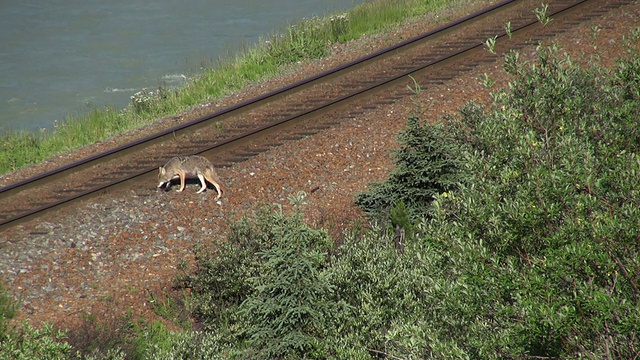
{"x":189,"y":167}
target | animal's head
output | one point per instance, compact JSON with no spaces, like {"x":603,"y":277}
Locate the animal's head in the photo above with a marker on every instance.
{"x":163,"y":177}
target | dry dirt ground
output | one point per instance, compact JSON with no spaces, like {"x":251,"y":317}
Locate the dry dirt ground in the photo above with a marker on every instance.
{"x":111,"y":256}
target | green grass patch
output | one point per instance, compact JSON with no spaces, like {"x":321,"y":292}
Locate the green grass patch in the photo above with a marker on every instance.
{"x":307,"y":39}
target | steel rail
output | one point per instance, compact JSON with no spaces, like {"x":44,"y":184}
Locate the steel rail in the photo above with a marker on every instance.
{"x":146,"y":140}
{"x":253,"y":101}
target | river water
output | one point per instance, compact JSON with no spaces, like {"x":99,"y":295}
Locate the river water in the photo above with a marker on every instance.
{"x":63,"y":57}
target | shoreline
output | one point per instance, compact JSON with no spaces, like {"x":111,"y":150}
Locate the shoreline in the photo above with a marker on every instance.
{"x":20,"y":151}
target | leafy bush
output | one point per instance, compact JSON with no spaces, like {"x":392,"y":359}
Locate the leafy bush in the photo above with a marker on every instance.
{"x":555,"y":192}
{"x":191,"y":345}
{"x":220,"y":282}
{"x":534,"y":254}
{"x":26,"y":342}
{"x":30,"y":343}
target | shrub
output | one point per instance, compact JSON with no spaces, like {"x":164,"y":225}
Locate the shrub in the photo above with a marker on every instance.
{"x":24,"y":341}
{"x":265,"y":287}
{"x":534,"y":254}
{"x":30,"y":343}
{"x":220,"y":281}
{"x":554,"y":190}
{"x":428,"y":163}
{"x":289,"y":312}
{"x":193,"y":345}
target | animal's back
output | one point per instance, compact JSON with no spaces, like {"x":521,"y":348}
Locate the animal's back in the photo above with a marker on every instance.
{"x":190,"y":164}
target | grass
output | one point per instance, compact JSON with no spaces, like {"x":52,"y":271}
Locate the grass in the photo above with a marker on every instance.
{"x":533,"y":253}
{"x":307,"y":39}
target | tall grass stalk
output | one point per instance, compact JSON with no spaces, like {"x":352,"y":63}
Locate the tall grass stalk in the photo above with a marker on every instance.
{"x":307,"y":39}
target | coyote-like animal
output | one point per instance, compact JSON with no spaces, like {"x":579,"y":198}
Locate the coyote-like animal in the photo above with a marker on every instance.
{"x":189,"y":167}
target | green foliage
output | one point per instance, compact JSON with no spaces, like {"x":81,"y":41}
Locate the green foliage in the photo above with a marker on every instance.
{"x":220,"y":282}
{"x":533,"y":253}
{"x":555,"y":141}
{"x":542,"y":14}
{"x":171,"y":307}
{"x":188,"y":345}
{"x":626,"y":82}
{"x":150,"y":338}
{"x":428,"y":301}
{"x":370,"y":275}
{"x":289,"y":312}
{"x":266,"y":286}
{"x":555,"y":191}
{"x":427,"y":164}
{"x":298,"y":43}
{"x":372,"y":17}
{"x":110,"y":354}
{"x":28,"y":343}
{"x":7,"y":310}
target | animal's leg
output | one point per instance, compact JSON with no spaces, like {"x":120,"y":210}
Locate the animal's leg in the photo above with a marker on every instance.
{"x":215,"y":184}
{"x":203,"y":183}
{"x":182,"y":180}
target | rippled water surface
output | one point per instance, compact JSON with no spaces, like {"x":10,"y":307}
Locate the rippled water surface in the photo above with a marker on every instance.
{"x":67,"y":56}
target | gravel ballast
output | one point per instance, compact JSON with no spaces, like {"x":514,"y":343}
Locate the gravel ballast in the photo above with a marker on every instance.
{"x":106,"y":256}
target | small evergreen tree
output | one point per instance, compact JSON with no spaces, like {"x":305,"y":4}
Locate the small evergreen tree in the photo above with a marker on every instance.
{"x":265,"y":289}
{"x":427,"y":164}
{"x":289,"y":311}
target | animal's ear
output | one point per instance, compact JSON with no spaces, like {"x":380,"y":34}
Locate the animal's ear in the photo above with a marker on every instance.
{"x":162,"y":170}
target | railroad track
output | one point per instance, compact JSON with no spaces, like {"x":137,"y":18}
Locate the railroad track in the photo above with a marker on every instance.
{"x":306,"y":107}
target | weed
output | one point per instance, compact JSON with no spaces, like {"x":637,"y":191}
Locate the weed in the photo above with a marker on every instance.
{"x":491,"y":44}
{"x":8,"y":308}
{"x":297,"y":200}
{"x":100,"y":333}
{"x":416,"y":89}
{"x":507,"y":29}
{"x":166,"y":308}
{"x":487,"y":81}
{"x":542,"y":14}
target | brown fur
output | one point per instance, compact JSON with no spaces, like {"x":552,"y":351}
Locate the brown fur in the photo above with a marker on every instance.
{"x":189,"y":167}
